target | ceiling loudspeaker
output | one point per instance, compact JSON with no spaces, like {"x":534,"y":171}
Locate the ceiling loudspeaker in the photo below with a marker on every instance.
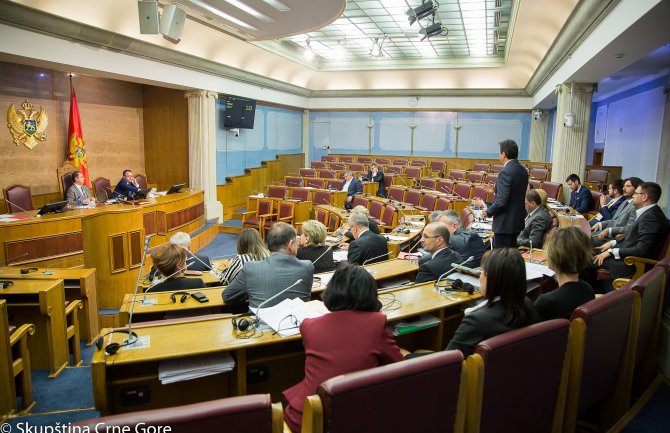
{"x":148,"y":13}
{"x":172,"y":23}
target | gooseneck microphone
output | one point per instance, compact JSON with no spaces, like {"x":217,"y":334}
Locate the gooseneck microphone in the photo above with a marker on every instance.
{"x":16,"y":205}
{"x":165,"y":279}
{"x":450,"y":271}
{"x":11,"y":259}
{"x":281,"y":292}
{"x":322,"y":254}
{"x":375,"y":258}
{"x":193,"y":256}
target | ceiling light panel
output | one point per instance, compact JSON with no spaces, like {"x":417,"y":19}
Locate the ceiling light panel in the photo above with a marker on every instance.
{"x":249,"y":10}
{"x":281,"y":7}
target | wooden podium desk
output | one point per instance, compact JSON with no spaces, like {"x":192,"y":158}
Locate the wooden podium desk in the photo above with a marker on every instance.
{"x":79,"y":284}
{"x":281,"y":359}
{"x":380,"y":271}
{"x":42,"y":303}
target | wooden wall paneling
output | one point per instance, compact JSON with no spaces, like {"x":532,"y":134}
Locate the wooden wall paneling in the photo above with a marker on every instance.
{"x":160,"y":223}
{"x":135,"y":248}
{"x":111,"y":116}
{"x":117,"y":252}
{"x":165,"y":118}
{"x":150,"y":223}
{"x":46,"y":247}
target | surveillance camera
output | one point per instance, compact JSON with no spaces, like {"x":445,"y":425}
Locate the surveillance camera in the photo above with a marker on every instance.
{"x":235,"y":131}
{"x":569,"y":120}
{"x":537,"y":114}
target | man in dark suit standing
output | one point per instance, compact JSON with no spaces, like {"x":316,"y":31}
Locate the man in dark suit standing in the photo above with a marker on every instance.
{"x":352,"y":186}
{"x":376,"y":175}
{"x":508,"y":210}
{"x":645,"y":237}
{"x":581,"y":199}
{"x":537,"y":222}
{"x":435,"y":238}
{"x":368,"y":247}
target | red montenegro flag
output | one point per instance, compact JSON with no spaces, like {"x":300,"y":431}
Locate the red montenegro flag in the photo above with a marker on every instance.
{"x":76,"y":146}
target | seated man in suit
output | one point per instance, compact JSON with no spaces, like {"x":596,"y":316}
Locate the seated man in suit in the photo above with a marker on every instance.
{"x":376,"y":175}
{"x":127,"y":186}
{"x":435,"y":238}
{"x":536,"y":224}
{"x":368,"y":246}
{"x":581,"y":199}
{"x":623,"y":219}
{"x":465,"y":242}
{"x":78,"y":194}
{"x":259,"y":281}
{"x":196,"y":262}
{"x":609,"y":203}
{"x":352,"y":186}
{"x":645,"y":237}
{"x":374,"y":227}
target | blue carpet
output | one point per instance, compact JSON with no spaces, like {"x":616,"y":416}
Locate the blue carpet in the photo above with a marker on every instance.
{"x":232,"y":223}
{"x":653,"y":418}
{"x":23,"y":423}
{"x":224,"y":244}
{"x":73,"y":389}
{"x":208,"y":224}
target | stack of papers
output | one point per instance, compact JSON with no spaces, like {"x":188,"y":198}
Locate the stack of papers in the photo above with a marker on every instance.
{"x":192,"y":367}
{"x":8,"y":218}
{"x":535,"y":271}
{"x":424,"y":321}
{"x":340,"y":255}
{"x":285,"y":318}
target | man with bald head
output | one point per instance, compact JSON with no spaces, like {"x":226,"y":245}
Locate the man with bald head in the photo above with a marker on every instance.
{"x":435,"y":239}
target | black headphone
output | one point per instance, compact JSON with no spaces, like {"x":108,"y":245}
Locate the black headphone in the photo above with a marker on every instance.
{"x":184,"y":297}
{"x":242,"y":322}
{"x":112,"y":348}
{"x":28,"y":270}
{"x":5,"y":283}
{"x":459,"y":286}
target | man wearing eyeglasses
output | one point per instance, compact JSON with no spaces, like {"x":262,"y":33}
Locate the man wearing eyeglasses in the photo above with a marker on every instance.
{"x":645,"y":238}
{"x":435,"y":240}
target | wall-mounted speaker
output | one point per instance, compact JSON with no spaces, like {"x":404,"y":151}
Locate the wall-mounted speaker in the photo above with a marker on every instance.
{"x":172,"y":23}
{"x":148,"y":12}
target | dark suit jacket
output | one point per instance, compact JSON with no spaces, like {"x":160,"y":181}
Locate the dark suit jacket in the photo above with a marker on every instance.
{"x":125,"y":188}
{"x":536,"y":226}
{"x":374,"y":228}
{"x":198,"y":265}
{"x":561,"y":302}
{"x":484,"y":323}
{"x":581,"y":200}
{"x":174,"y":284}
{"x":644,"y":239}
{"x":312,"y":253}
{"x":259,"y":281}
{"x":468,"y":243}
{"x":368,"y":343}
{"x":367,"y":246}
{"x":508,"y":210}
{"x":379,"y":178}
{"x":431,"y":269}
{"x":607,"y":212}
{"x":355,"y":187}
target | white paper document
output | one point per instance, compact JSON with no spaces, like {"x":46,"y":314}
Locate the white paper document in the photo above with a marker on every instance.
{"x":192,"y":367}
{"x":340,"y":255}
{"x":396,"y":238}
{"x":535,"y":271}
{"x":285,"y":318}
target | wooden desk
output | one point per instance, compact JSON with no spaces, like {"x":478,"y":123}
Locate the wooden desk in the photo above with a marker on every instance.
{"x":79,"y":284}
{"x":281,"y":358}
{"x":380,"y":271}
{"x":209,"y":278}
{"x":41,"y":302}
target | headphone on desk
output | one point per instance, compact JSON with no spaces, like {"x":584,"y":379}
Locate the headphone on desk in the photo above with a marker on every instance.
{"x":112,"y":348}
{"x":243,"y":322}
{"x":6,"y":283}
{"x":184,"y":297}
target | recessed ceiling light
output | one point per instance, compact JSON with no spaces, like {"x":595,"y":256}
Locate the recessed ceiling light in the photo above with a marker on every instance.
{"x":308,"y":53}
{"x":223,"y":15}
{"x":277,"y":5}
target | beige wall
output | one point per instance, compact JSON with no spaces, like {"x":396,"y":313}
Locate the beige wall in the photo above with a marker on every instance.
{"x":112,"y":122}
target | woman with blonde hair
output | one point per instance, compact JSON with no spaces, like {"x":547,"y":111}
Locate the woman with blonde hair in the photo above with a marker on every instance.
{"x":170,"y":260}
{"x":568,"y":251}
{"x":312,"y":246}
{"x":250,"y":247}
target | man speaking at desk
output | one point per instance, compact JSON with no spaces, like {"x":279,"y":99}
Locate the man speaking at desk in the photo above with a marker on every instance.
{"x":259,"y":281}
{"x":127,"y":186}
{"x":352,"y":186}
{"x":435,"y":238}
{"x":78,"y":194}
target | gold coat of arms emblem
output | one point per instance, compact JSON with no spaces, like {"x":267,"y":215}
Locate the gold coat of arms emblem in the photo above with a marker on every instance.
{"x":27,"y":125}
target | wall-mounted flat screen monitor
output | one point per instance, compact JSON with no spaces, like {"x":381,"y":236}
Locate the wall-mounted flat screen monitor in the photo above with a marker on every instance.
{"x":239,"y":113}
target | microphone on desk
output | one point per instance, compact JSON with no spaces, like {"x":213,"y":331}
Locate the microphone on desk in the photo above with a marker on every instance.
{"x":530,"y":256}
{"x":375,"y":258}
{"x":164,"y":279}
{"x":60,"y":262}
{"x":322,"y":254}
{"x":11,"y":259}
{"x":193,"y":256}
{"x":451,"y":271}
{"x":16,"y":205}
{"x":113,"y":348}
{"x":459,"y":165}
{"x":244,"y":324}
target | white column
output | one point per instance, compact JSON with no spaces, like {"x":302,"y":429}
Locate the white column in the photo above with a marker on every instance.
{"x":570,"y":144}
{"x":202,"y":148}
{"x":538,"y":137}
{"x":305,"y":138}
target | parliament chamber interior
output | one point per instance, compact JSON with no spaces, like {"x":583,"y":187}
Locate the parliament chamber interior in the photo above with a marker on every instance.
{"x":227,"y":136}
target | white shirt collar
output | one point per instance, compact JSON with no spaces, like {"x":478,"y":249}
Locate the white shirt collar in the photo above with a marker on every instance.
{"x":642,"y":210}
{"x":437,"y":252}
{"x":482,"y":304}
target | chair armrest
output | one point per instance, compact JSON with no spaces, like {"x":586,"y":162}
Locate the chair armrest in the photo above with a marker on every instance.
{"x":312,"y":416}
{"x":22,"y":331}
{"x":639,"y":263}
{"x":288,"y":218}
{"x":620,"y":282}
{"x":73,"y":305}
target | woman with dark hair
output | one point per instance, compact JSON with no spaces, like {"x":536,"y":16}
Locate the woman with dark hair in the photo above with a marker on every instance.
{"x":249,"y":248}
{"x":505,"y":306}
{"x":568,"y":251}
{"x":352,"y":337}
{"x":170,"y":260}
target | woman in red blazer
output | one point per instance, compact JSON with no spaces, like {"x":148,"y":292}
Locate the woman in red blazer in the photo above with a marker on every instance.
{"x":353,"y":337}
